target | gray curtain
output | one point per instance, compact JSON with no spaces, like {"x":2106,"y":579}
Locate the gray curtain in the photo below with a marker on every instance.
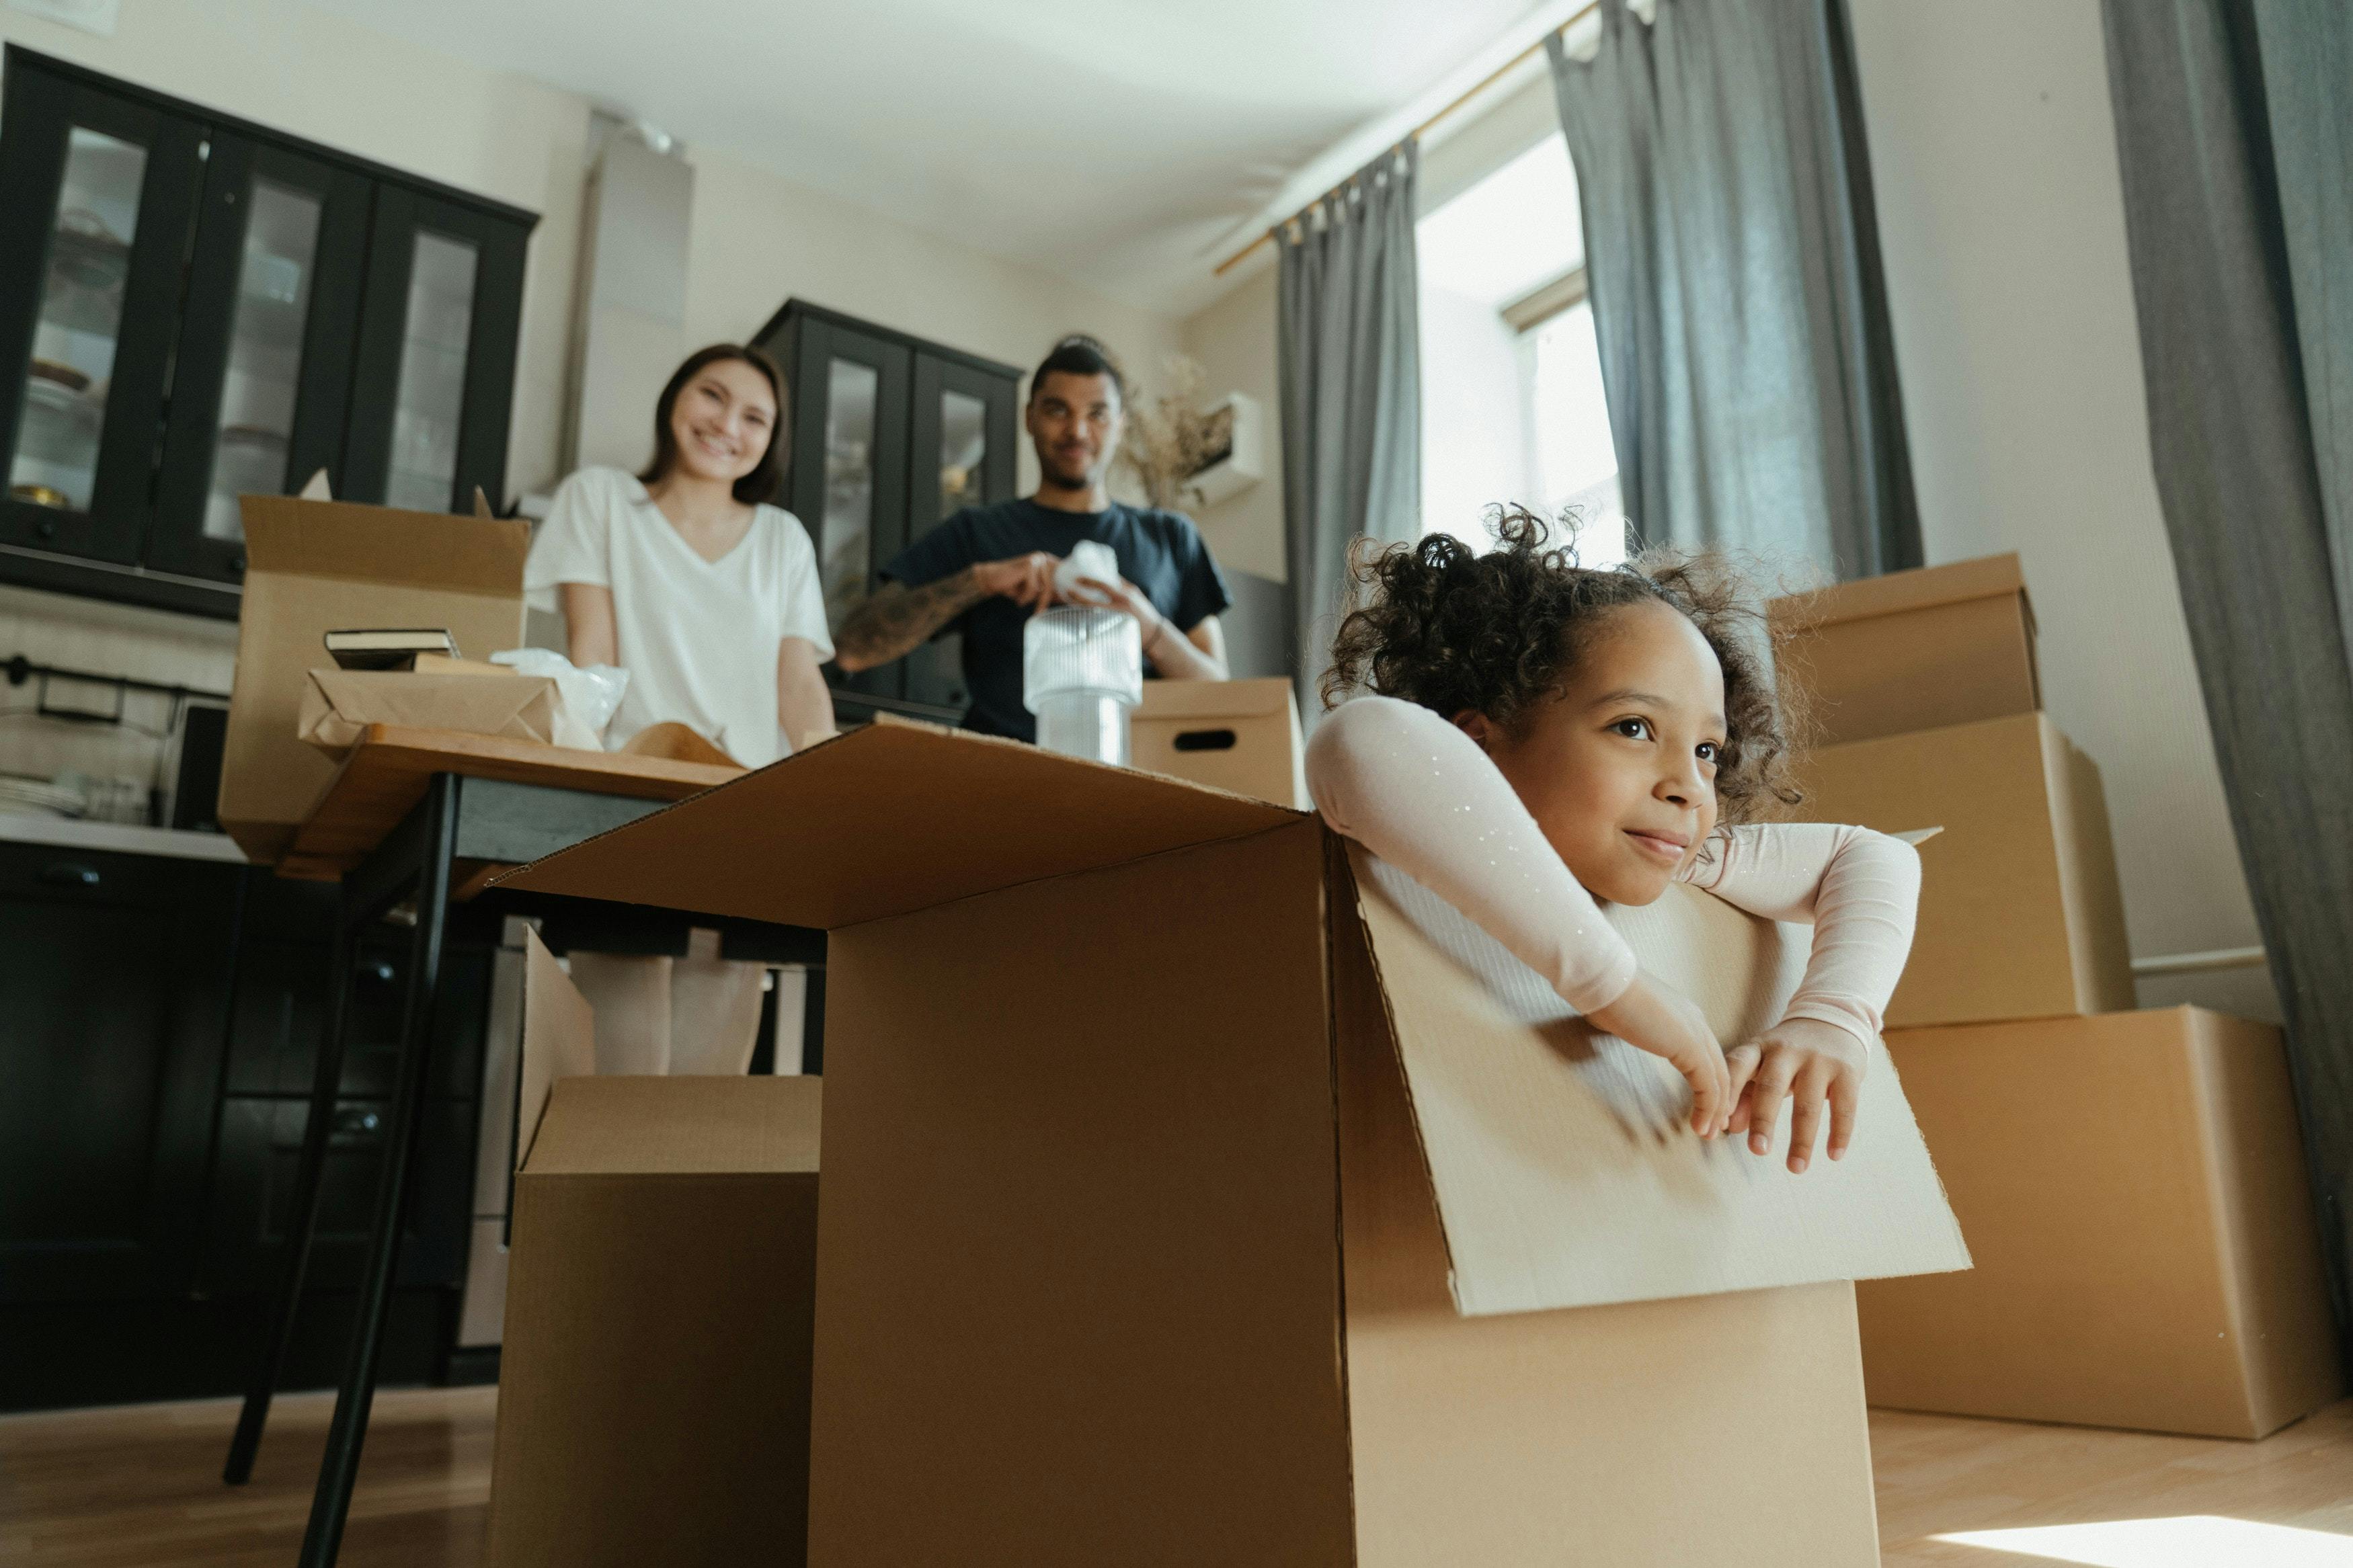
{"x":2233,"y":138}
{"x":1349,"y":352}
{"x":1732,"y":257}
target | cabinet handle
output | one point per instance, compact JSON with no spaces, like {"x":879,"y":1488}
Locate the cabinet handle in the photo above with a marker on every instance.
{"x":357,"y":1122}
{"x":47,"y":529}
{"x":379,"y":970}
{"x":69,"y":874}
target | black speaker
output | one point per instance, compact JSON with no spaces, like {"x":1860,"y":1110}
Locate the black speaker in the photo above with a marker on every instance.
{"x":196,"y":792}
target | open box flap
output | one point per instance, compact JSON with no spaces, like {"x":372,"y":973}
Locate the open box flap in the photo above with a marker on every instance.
{"x":293,"y":537}
{"x":559,"y":1038}
{"x":1565,"y":1173}
{"x":889,"y":820}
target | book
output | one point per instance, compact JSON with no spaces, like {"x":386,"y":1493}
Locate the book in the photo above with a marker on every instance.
{"x":393,"y":650}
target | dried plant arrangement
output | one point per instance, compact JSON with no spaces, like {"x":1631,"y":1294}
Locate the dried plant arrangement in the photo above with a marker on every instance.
{"x":1170,"y":439}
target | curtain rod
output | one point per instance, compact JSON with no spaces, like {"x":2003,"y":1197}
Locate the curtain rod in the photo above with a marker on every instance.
{"x":1490,"y":79}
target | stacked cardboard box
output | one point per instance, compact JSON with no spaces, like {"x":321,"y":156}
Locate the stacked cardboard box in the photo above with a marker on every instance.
{"x":2131,"y":1183}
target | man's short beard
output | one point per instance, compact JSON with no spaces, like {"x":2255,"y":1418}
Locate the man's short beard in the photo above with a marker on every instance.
{"x":1056,"y":478}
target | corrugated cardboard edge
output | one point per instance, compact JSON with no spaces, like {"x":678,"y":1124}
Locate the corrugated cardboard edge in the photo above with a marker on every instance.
{"x":1345,"y":904}
{"x":559,"y":1039}
{"x":2093,"y":894}
{"x":2272,"y":1289}
{"x":1985,"y":577}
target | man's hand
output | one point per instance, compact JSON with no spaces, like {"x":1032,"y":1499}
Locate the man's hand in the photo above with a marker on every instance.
{"x":1807,"y":1063}
{"x":1026,"y":580}
{"x":1653,"y":1016}
{"x":1117,"y":593}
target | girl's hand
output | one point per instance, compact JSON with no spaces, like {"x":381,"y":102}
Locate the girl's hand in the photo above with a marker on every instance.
{"x":1807,"y":1063}
{"x":1653,"y":1016}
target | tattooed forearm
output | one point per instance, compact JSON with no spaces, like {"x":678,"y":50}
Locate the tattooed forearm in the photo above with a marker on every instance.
{"x":895,"y":620}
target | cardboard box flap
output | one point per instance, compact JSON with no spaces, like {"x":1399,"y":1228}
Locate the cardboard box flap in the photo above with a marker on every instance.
{"x":559,"y":1038}
{"x":683,"y":1126}
{"x":1181,"y":700}
{"x":1983,"y":577}
{"x":292,"y":537}
{"x":1564,"y":1171}
{"x":339,"y":704}
{"x":894,"y":817}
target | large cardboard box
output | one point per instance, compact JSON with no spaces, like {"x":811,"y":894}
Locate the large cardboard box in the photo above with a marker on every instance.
{"x":654,"y":1384}
{"x":1914,"y":650}
{"x":317,"y":566}
{"x":1241,"y":735}
{"x":1193,"y":1196}
{"x":2021,"y":914}
{"x":2135,"y":1194}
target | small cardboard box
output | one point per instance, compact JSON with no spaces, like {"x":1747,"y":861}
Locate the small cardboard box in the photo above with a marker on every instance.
{"x":1188,"y":1201}
{"x":1914,"y":650}
{"x":654,"y":1384}
{"x":2135,"y":1194}
{"x":1241,"y":735}
{"x":317,"y":566}
{"x":2021,"y":914}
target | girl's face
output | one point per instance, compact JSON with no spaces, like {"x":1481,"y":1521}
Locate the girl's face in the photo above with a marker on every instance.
{"x":1618,"y":769}
{"x":723,"y":420}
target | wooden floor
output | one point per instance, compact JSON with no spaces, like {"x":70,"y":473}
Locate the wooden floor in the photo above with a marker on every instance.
{"x":140,"y":1488}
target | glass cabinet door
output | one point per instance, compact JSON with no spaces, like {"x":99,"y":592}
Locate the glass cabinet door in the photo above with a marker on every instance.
{"x":264,"y":372}
{"x":849,"y":470}
{"x":964,"y":456}
{"x":435,"y":361}
{"x":94,"y":204}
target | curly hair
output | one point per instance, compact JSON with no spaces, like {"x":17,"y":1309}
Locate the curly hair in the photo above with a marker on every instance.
{"x":1456,"y":631}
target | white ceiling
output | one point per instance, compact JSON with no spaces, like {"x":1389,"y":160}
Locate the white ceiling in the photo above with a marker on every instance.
{"x":1116,"y":143}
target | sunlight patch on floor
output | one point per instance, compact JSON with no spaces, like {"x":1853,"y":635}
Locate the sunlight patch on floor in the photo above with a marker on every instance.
{"x":2196,"y":1540}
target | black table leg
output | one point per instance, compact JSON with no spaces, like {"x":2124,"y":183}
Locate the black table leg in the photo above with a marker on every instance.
{"x":435,"y":820}
{"x":326,"y":1084}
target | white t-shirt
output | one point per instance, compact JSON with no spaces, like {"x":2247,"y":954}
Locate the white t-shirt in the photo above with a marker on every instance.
{"x":698,"y":637}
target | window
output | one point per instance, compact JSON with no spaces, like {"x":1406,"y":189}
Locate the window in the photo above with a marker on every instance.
{"x":1510,"y":383}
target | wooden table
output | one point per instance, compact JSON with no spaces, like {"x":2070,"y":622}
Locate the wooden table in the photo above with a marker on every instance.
{"x":386,"y":775}
{"x":407,"y":813}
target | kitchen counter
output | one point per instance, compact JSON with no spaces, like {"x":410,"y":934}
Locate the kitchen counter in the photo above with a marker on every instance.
{"x":122,"y":838}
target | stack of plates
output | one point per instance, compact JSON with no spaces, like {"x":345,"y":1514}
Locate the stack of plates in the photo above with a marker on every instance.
{"x":19,"y":794}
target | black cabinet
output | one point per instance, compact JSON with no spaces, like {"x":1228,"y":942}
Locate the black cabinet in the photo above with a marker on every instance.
{"x":890,"y":435}
{"x":160,"y":1022}
{"x":193,"y":308}
{"x":116,"y":978}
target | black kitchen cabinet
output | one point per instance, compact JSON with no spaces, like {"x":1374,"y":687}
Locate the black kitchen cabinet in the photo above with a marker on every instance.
{"x":193,"y":308}
{"x":161,"y":1022}
{"x":117,"y":970}
{"x":890,"y":436}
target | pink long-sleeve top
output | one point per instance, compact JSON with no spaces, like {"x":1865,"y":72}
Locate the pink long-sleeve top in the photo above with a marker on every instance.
{"x":1418,"y":792}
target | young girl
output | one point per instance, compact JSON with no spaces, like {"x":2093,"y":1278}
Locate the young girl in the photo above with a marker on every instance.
{"x":1544,"y":735}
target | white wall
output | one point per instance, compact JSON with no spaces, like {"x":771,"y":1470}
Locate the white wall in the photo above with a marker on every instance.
{"x":1233,"y":341}
{"x":1993,"y":156}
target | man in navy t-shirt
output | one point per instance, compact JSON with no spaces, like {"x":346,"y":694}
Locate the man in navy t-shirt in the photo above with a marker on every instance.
{"x":985,"y":571}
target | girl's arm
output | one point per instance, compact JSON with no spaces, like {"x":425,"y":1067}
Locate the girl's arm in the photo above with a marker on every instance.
{"x":1861,"y":890}
{"x":1420,"y":793}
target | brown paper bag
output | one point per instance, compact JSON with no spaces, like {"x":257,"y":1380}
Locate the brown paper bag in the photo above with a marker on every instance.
{"x":339,"y":704}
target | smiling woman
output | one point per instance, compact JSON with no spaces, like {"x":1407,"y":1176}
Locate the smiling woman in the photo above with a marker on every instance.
{"x":687,"y":578}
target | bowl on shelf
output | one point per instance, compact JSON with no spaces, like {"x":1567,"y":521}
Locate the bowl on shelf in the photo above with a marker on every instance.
{"x":64,"y":376}
{"x":60,"y":425}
